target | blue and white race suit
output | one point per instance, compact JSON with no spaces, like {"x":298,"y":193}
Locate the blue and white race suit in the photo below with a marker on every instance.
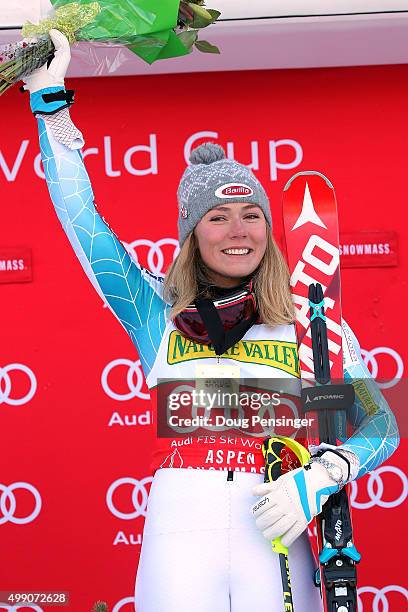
{"x":201,"y":549}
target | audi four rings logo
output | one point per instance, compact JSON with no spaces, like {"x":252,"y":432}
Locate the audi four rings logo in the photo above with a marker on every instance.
{"x":155,"y":256}
{"x":7,"y":386}
{"x":139,"y":497}
{"x":375,"y":489}
{"x":370,"y":359}
{"x":8,"y":503}
{"x":380,"y":597}
{"x":134,"y":380}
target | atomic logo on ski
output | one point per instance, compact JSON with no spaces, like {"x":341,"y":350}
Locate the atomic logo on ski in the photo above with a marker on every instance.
{"x":308,"y":214}
{"x":311,"y":230}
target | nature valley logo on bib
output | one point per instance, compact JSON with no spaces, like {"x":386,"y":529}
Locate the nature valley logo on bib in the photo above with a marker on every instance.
{"x":274,"y":353}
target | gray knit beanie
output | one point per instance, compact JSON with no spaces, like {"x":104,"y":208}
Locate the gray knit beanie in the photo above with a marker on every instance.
{"x":210,"y":180}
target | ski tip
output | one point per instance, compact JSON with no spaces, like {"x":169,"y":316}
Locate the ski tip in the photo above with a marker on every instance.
{"x":307,"y":173}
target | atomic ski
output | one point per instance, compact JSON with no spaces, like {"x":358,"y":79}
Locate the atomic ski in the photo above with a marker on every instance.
{"x":312,"y":243}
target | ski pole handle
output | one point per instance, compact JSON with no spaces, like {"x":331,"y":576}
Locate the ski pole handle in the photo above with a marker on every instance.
{"x":271,"y":450}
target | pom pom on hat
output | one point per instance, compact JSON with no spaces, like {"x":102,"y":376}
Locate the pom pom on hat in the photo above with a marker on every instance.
{"x":207,"y":153}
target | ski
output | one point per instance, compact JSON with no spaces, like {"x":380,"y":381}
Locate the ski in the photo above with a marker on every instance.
{"x":312,"y":244}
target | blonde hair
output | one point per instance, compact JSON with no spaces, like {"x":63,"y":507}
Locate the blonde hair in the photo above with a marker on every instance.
{"x":271,"y":282}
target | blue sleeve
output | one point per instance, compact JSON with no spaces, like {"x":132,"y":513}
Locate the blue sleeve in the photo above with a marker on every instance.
{"x":376,"y":434}
{"x":132,"y":293}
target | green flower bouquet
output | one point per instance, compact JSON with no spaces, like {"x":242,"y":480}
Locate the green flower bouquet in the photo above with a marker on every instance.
{"x":151,"y":29}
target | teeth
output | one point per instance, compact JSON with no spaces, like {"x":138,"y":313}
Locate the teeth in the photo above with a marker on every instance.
{"x":236,"y":251}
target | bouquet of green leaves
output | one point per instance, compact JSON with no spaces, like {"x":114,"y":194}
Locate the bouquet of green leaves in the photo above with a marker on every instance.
{"x":152,"y":29}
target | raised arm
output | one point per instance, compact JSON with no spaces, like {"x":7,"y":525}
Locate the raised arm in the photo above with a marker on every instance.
{"x":132,"y":293}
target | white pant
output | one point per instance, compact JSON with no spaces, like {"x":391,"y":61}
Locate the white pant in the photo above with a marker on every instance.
{"x":202,"y":551}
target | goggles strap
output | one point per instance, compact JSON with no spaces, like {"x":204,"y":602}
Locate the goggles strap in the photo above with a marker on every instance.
{"x":221,"y":340}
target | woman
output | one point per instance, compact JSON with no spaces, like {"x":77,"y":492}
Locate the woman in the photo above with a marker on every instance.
{"x":202,"y":548}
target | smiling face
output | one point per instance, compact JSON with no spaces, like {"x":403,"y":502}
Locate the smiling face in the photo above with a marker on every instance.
{"x":232,"y":241}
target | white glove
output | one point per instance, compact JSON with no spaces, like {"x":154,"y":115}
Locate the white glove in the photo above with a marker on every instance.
{"x":292,"y":501}
{"x":54,"y":75}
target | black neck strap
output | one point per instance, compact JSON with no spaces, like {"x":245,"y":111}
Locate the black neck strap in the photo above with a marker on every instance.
{"x":221,"y":340}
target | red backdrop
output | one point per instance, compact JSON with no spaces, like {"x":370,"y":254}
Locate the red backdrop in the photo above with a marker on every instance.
{"x":74,"y":421}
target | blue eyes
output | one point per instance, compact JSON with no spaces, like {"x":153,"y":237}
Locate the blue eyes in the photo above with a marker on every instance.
{"x":249,"y":216}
